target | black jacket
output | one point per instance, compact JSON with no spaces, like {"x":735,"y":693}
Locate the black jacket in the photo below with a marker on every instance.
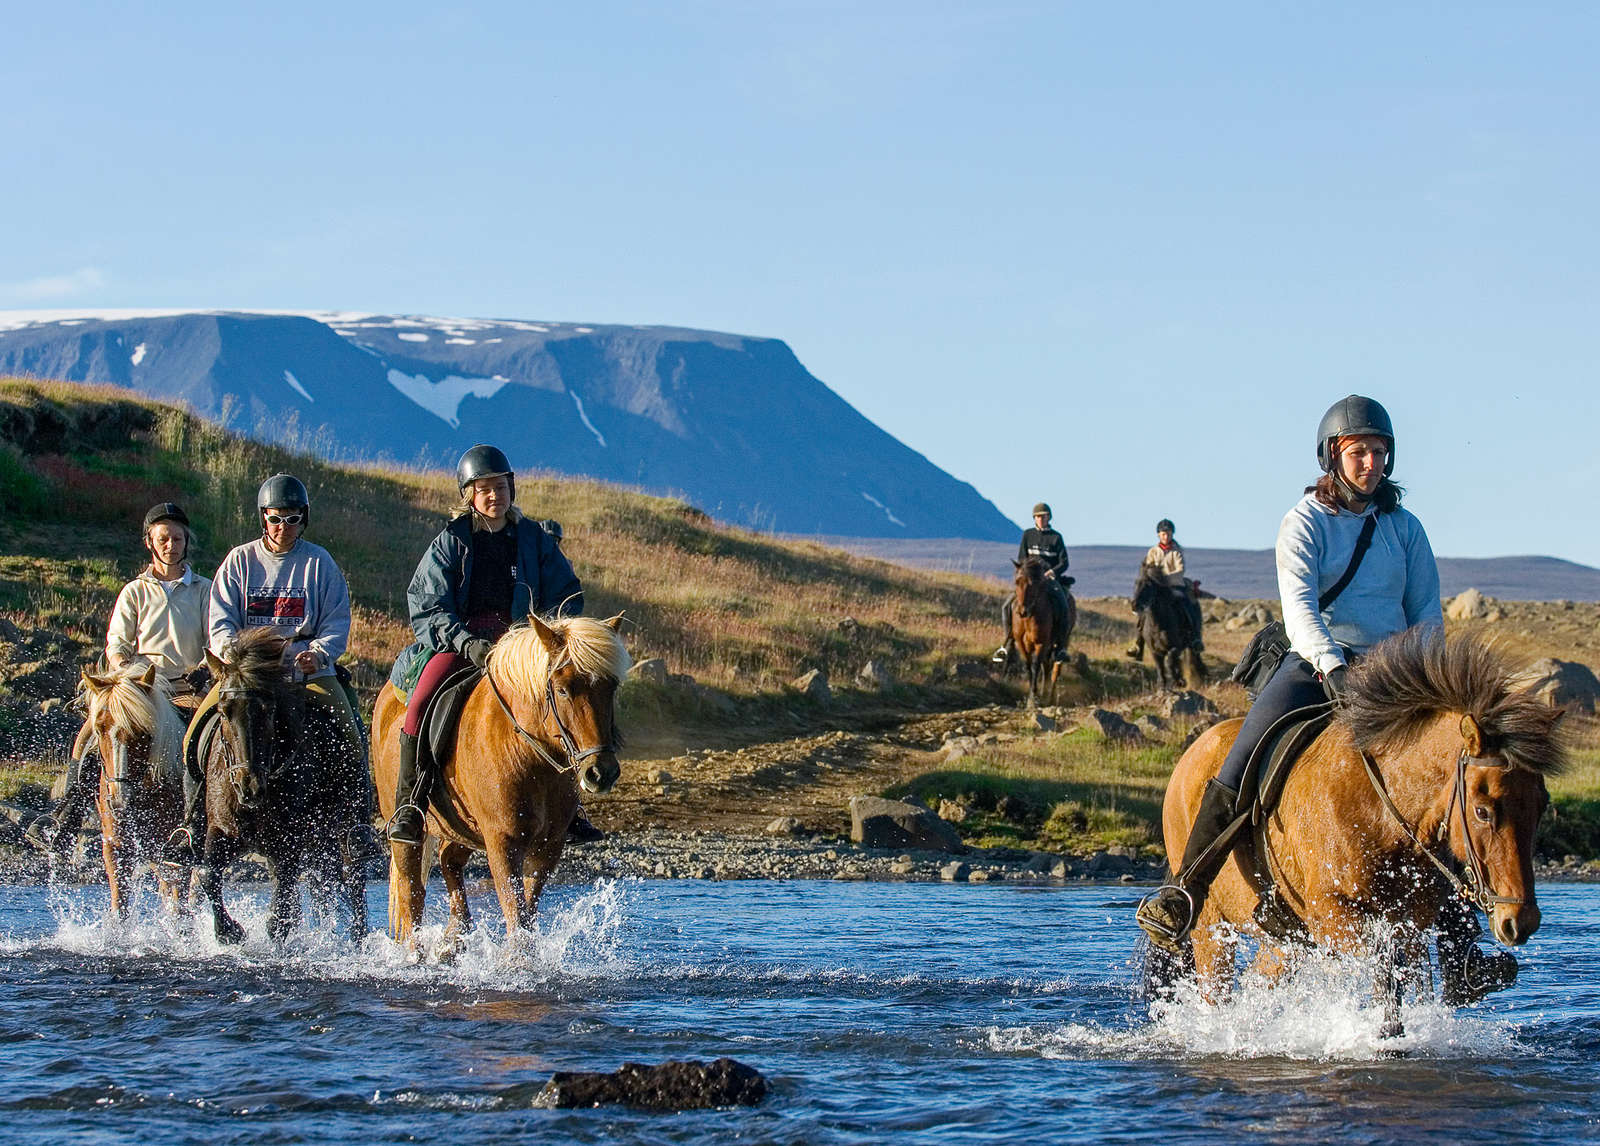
{"x":1048,"y":546}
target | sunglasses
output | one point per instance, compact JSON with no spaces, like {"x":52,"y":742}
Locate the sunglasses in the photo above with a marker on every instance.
{"x":285,"y":518}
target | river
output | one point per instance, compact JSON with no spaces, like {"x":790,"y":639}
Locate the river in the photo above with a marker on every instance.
{"x":880,"y":1012}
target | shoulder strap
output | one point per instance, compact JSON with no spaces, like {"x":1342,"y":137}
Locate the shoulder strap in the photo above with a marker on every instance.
{"x":1338,"y":586}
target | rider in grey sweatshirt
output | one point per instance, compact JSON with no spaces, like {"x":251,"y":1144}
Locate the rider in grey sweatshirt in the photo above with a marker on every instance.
{"x":302,"y":593}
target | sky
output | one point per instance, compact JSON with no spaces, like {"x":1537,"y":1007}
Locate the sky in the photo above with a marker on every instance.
{"x":1116,"y":257}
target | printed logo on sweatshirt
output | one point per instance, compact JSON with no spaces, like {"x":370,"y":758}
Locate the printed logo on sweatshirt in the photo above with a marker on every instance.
{"x":275,"y":606}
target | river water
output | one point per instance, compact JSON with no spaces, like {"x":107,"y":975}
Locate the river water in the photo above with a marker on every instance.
{"x":880,"y":1012}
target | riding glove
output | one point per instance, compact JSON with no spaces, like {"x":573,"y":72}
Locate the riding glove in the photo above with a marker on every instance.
{"x":1333,"y":683}
{"x":477,"y":651}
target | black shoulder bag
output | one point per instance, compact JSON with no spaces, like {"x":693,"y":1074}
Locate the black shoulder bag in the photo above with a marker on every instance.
{"x":1267,"y":648}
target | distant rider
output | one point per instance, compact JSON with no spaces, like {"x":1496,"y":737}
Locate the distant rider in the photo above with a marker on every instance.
{"x":1047,"y":546}
{"x":1395,"y":587}
{"x":1166,"y":558}
{"x":282,"y":581}
{"x":489,"y":568}
{"x":159,"y":619}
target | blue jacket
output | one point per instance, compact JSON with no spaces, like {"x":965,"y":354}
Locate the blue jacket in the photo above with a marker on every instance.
{"x":545,"y":583}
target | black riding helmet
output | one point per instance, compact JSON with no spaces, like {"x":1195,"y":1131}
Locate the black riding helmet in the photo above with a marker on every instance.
{"x":1348,"y":417}
{"x":166,"y":511}
{"x":283,"y":491}
{"x":1166,"y":524}
{"x":484,"y":462}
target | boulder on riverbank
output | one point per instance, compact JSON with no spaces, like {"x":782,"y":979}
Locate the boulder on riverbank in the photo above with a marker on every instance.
{"x":676,"y":1085}
{"x":880,"y":823}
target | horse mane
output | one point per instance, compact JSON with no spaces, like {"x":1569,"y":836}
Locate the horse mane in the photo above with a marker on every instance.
{"x":255,"y":658}
{"x":592,"y":647}
{"x":1410,"y":679}
{"x":1030,"y":571}
{"x":148,"y":713}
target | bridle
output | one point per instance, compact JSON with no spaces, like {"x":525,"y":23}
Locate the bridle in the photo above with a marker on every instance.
{"x":575,"y":755}
{"x":1475,"y":888}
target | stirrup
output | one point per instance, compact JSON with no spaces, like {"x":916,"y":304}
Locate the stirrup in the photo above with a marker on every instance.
{"x":180,"y":847}
{"x":1001,"y":656}
{"x":400,"y":829}
{"x":42,"y":831}
{"x":1159,"y":930}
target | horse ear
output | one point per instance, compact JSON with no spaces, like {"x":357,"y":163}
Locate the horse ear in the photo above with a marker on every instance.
{"x":1015,"y":564}
{"x":547,"y":635}
{"x":147,"y":679}
{"x":614,"y":622}
{"x":93,"y":683}
{"x":1473,"y":735}
{"x":215,"y":664}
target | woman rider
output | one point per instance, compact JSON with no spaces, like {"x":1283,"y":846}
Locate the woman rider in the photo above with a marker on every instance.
{"x":1166,"y":558}
{"x":282,"y":581}
{"x":159,"y":619}
{"x":1395,"y":587}
{"x":487,"y":569}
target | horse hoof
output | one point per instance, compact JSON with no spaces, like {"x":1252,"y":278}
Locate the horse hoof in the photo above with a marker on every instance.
{"x":229,"y":932}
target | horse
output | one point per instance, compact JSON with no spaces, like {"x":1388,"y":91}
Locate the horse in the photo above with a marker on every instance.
{"x":1033,"y":622}
{"x":539,"y":724}
{"x":140,"y":735}
{"x":1166,"y":627}
{"x":276,"y":784}
{"x":1434,"y":763}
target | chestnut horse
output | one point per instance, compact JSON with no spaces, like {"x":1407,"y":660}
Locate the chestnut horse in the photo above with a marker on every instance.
{"x":1434,"y":764}
{"x":276,"y":784}
{"x":1033,"y":623}
{"x":537,"y":726}
{"x":140,"y":733}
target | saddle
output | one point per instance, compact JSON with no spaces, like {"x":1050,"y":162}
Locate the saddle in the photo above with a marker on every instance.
{"x":1265,"y":777}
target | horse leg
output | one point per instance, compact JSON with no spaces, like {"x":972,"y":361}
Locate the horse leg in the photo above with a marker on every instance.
{"x":1214,"y":950}
{"x":118,"y":861}
{"x":1386,"y":985}
{"x":285,"y":913}
{"x":407,"y":891}
{"x":352,"y":874}
{"x":218,"y":852}
{"x":505,"y":864}
{"x":452,"y":863}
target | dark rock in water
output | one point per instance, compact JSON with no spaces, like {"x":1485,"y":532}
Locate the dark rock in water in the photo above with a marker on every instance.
{"x":676,"y":1085}
{"x":880,"y":823}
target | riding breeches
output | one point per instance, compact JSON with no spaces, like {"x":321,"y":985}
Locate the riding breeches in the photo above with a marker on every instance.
{"x":439,"y":666}
{"x":1293,"y":686}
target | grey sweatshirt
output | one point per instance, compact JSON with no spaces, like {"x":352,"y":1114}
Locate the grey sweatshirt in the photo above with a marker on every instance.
{"x":302,"y":593}
{"x":1397,"y":585}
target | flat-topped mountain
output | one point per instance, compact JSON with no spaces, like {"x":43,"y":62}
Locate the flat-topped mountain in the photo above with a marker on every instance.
{"x":732,"y":424}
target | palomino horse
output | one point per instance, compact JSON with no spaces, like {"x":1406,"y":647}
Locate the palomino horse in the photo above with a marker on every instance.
{"x":537,"y":726}
{"x":140,"y":733}
{"x":277,"y":782}
{"x":1033,"y":622}
{"x":1435,"y":764}
{"x":1165,"y":626}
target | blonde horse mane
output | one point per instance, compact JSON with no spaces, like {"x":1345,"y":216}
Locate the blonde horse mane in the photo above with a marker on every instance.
{"x":520,"y":660}
{"x":1409,"y":680}
{"x":151,"y":713}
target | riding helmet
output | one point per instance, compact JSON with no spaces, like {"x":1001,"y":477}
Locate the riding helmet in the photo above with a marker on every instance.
{"x":1166,"y":524}
{"x":484,"y":462}
{"x":1042,"y":508}
{"x":166,"y":511}
{"x":1350,"y":416}
{"x":284,"y":491}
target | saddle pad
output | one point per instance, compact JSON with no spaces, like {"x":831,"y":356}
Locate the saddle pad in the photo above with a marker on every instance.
{"x":200,"y":738}
{"x":1279,"y":751}
{"x":436,"y":734}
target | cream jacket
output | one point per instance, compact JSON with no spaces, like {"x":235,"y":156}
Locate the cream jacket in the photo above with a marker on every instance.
{"x":161,"y":622}
{"x":1169,"y":561}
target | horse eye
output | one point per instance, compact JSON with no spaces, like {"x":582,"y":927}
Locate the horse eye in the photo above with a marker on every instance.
{"x":1483,"y":813}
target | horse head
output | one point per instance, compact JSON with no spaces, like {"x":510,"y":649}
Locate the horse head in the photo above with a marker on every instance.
{"x":583,"y":662}
{"x":1455,"y":717}
{"x":1029,"y":580}
{"x":132,"y":718}
{"x":259,"y":721}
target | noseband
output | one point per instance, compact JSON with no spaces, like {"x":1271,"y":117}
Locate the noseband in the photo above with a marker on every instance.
{"x":1475,"y":889}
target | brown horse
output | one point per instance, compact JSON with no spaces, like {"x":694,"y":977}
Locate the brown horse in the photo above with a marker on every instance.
{"x":275,"y":782}
{"x":140,"y":733}
{"x":539,"y":724}
{"x":1033,"y":626}
{"x":1165,"y":626}
{"x":1435,"y":763}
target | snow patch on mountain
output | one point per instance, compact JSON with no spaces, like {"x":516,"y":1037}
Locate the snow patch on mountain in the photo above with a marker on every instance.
{"x":295,"y":382}
{"x":578,"y":402}
{"x":443,"y":398}
{"x":138,"y":354}
{"x":887,"y":512}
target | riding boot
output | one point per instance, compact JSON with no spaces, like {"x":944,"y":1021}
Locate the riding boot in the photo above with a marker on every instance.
{"x":1467,"y":971}
{"x":187,"y":841}
{"x":410,"y":796}
{"x":581,"y":830}
{"x":56,"y":830}
{"x":1005,"y":652}
{"x":1168,"y":914}
{"x":1136,"y":650}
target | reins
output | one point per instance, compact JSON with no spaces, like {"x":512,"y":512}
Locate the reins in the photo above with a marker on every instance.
{"x":1475,"y":889}
{"x":575,"y":755}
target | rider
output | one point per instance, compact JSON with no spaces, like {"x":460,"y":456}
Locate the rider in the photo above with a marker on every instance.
{"x":487,"y":569}
{"x":1166,"y":558}
{"x":1395,"y":587}
{"x":1046,"y":545}
{"x":159,"y":619}
{"x":282,"y":580}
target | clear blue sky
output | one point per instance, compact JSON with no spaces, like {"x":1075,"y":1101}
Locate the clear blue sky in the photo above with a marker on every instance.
{"x":1119,"y":257}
